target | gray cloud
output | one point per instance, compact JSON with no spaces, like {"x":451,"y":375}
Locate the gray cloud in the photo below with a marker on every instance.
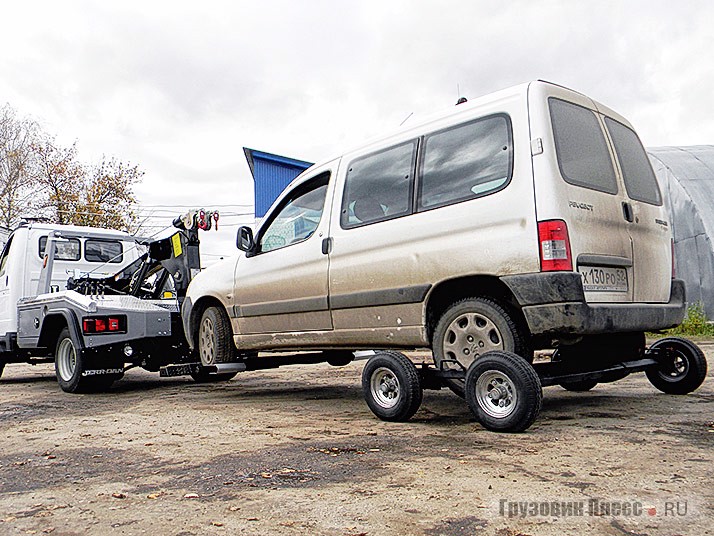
{"x":180,"y":87}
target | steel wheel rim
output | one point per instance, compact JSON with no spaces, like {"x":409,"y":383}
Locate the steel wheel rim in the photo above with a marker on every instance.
{"x":207,"y":341}
{"x":496,"y":394}
{"x":468,"y":336}
{"x":676,"y":368}
{"x":66,"y":360}
{"x":385,"y":388}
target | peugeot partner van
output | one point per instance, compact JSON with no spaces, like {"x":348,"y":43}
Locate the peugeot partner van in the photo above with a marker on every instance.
{"x":526,"y":219}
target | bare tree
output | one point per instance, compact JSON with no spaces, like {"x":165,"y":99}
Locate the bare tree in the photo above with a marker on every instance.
{"x":107,"y":198}
{"x":17,"y":137}
{"x":60,"y":179}
{"x":40,"y":177}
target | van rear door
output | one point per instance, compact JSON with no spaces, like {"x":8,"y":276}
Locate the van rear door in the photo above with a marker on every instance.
{"x":647,"y":218}
{"x":576,"y":182}
{"x":594,"y":174}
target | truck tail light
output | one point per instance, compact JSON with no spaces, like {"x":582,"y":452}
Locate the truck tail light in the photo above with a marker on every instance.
{"x":674,"y":273}
{"x":554,"y":246}
{"x":104,"y":324}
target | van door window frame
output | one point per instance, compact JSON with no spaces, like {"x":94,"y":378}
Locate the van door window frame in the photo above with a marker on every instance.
{"x":321,"y":180}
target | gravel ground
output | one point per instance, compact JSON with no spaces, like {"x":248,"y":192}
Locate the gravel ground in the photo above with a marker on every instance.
{"x":296,"y":451}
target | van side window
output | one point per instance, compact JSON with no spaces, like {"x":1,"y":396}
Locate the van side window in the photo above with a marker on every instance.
{"x":465,"y":162}
{"x":298,"y":217}
{"x":583,"y":156}
{"x":379,"y":186}
{"x":67,"y":250}
{"x":98,"y":250}
{"x":640,"y":181}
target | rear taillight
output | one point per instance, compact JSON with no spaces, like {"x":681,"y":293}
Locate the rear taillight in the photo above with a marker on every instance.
{"x":104,"y":324}
{"x":674,"y":273}
{"x":554,"y":246}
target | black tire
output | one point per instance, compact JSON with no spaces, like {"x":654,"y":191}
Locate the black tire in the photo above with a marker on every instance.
{"x":514,"y":381}
{"x":215,"y":338}
{"x":579,"y":386}
{"x":2,"y":367}
{"x":203,"y":376}
{"x":391,"y":386}
{"x":471,"y":327}
{"x":70,"y":366}
{"x":682,"y":366}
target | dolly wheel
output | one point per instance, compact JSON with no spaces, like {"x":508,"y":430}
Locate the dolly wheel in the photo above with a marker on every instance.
{"x":503,"y":391}
{"x":682,"y":366}
{"x":391,"y":386}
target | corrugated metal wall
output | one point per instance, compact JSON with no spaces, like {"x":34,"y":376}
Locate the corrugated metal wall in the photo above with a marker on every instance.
{"x":686,"y":175}
{"x":271,"y":174}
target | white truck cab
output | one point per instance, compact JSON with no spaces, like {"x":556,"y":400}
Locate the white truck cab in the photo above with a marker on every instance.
{"x":529,"y":218}
{"x":87,"y":250}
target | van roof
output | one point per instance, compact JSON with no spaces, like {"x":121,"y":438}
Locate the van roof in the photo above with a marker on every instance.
{"x":460,"y":109}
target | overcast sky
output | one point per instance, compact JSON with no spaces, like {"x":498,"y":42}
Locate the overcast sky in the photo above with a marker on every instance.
{"x":181,"y":87}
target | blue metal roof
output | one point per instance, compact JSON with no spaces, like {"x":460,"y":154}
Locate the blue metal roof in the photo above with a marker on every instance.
{"x":271,"y":174}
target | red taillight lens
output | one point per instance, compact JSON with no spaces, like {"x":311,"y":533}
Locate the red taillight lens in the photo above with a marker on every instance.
{"x":554,"y":246}
{"x":104,"y":324}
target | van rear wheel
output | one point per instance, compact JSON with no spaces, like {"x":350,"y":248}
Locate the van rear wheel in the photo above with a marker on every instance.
{"x":472,"y":327}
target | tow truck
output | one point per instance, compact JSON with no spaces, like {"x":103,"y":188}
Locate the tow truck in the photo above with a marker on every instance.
{"x":94,"y":322}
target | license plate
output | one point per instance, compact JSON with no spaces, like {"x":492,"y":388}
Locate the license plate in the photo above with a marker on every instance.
{"x":603,"y":279}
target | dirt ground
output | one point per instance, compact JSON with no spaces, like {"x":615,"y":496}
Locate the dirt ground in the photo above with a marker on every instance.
{"x":296,"y":451}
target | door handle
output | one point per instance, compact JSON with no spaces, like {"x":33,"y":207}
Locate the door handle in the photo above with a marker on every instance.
{"x":326,"y":245}
{"x":627,"y":212}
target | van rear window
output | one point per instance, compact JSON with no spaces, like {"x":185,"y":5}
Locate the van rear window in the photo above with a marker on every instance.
{"x":640,"y":181}
{"x":66,"y":250}
{"x":583,"y":156}
{"x":96,"y":250}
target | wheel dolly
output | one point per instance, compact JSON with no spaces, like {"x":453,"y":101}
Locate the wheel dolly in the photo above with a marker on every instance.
{"x":504,"y":391}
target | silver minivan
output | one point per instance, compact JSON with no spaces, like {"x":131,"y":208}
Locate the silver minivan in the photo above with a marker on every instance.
{"x":526,"y":219}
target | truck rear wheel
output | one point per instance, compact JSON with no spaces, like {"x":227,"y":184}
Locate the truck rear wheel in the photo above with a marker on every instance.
{"x":472,"y":327}
{"x":214,"y":337}
{"x":70,"y":367}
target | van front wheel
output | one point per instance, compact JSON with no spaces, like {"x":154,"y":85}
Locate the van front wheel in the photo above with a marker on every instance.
{"x":214,"y":337}
{"x":470,"y":328}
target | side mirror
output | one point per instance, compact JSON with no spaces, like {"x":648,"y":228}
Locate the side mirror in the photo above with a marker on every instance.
{"x":244,"y":239}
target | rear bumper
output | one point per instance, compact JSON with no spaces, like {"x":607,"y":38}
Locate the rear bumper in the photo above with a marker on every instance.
{"x":554,"y":304}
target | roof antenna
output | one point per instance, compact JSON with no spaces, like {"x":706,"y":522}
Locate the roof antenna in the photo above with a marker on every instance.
{"x":406,"y":119}
{"x":461,"y":99}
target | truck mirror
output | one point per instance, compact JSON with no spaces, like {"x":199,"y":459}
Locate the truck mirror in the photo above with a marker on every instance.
{"x":244,"y":238}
